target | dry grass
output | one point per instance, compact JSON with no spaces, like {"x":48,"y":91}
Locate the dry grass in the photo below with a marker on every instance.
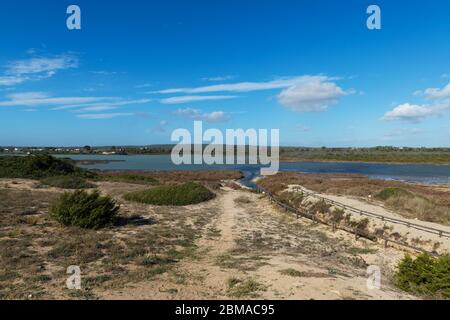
{"x":35,"y":250}
{"x":427,"y":203}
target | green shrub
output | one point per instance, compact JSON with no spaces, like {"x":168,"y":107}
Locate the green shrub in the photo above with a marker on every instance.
{"x":85,"y":210}
{"x":67,"y":182}
{"x":425,"y":275}
{"x":388,"y":193}
{"x":172,"y":195}
{"x":39,"y":166}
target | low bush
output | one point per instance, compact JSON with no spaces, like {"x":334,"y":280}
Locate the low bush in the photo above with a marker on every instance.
{"x":85,"y":210}
{"x":389,"y":193}
{"x":172,"y":195}
{"x":320,"y":206}
{"x":38,"y":166}
{"x":67,"y":182}
{"x":425,"y":275}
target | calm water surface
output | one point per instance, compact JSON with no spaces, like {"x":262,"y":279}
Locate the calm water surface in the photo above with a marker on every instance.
{"x":432,"y":174}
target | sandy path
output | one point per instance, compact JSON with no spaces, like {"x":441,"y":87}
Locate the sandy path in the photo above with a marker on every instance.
{"x":255,"y":243}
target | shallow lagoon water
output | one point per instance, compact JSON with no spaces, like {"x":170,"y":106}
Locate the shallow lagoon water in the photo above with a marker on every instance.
{"x":421,"y":173}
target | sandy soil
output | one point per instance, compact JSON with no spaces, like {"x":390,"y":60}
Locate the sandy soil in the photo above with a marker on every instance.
{"x":252,"y":243}
{"x":250,"y":249}
{"x":426,"y":240}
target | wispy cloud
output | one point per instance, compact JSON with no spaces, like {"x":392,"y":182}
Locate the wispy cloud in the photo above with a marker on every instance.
{"x":437,"y":93}
{"x":10,"y":80}
{"x":237,"y":87}
{"x":36,"y":68}
{"x":301,"y":93}
{"x":104,"y":73}
{"x":37,"y":99}
{"x":42,"y":65}
{"x":218,"y":78}
{"x":280,"y":83}
{"x":83,"y":104}
{"x":188,"y":99}
{"x":104,"y":105}
{"x":104,"y":116}
{"x":195,"y":114}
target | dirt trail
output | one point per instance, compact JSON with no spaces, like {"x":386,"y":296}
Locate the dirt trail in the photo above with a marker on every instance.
{"x":253,"y":250}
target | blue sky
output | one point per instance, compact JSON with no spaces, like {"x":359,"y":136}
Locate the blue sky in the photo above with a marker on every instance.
{"x":140,"y":69}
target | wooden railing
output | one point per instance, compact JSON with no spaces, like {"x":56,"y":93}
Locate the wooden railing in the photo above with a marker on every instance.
{"x":357,"y":232}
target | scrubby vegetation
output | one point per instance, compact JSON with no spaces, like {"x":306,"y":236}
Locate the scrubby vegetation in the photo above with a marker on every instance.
{"x":424,"y":275}
{"x":67,"y":182}
{"x":389,"y":193}
{"x":172,"y":195}
{"x":427,"y":203}
{"x":85,"y":210}
{"x":131,"y":178}
{"x":377,"y":154}
{"x":39,"y":166}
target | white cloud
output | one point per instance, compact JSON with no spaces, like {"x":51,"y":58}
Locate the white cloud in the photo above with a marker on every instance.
{"x":414,"y":113}
{"x":195,"y":114}
{"x":312,"y":94}
{"x":103,"y":116}
{"x":187,"y":99}
{"x":219,"y":78}
{"x":104,"y":73}
{"x":103,"y":105}
{"x":20,"y":71}
{"x":11,"y":80}
{"x":301,"y":93}
{"x":85,"y":104}
{"x":48,"y":65}
{"x":37,"y":99}
{"x":243,"y":86}
{"x":436,"y":93}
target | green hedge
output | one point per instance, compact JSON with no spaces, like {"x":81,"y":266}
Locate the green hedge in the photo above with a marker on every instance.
{"x":172,"y":195}
{"x":85,"y":210}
